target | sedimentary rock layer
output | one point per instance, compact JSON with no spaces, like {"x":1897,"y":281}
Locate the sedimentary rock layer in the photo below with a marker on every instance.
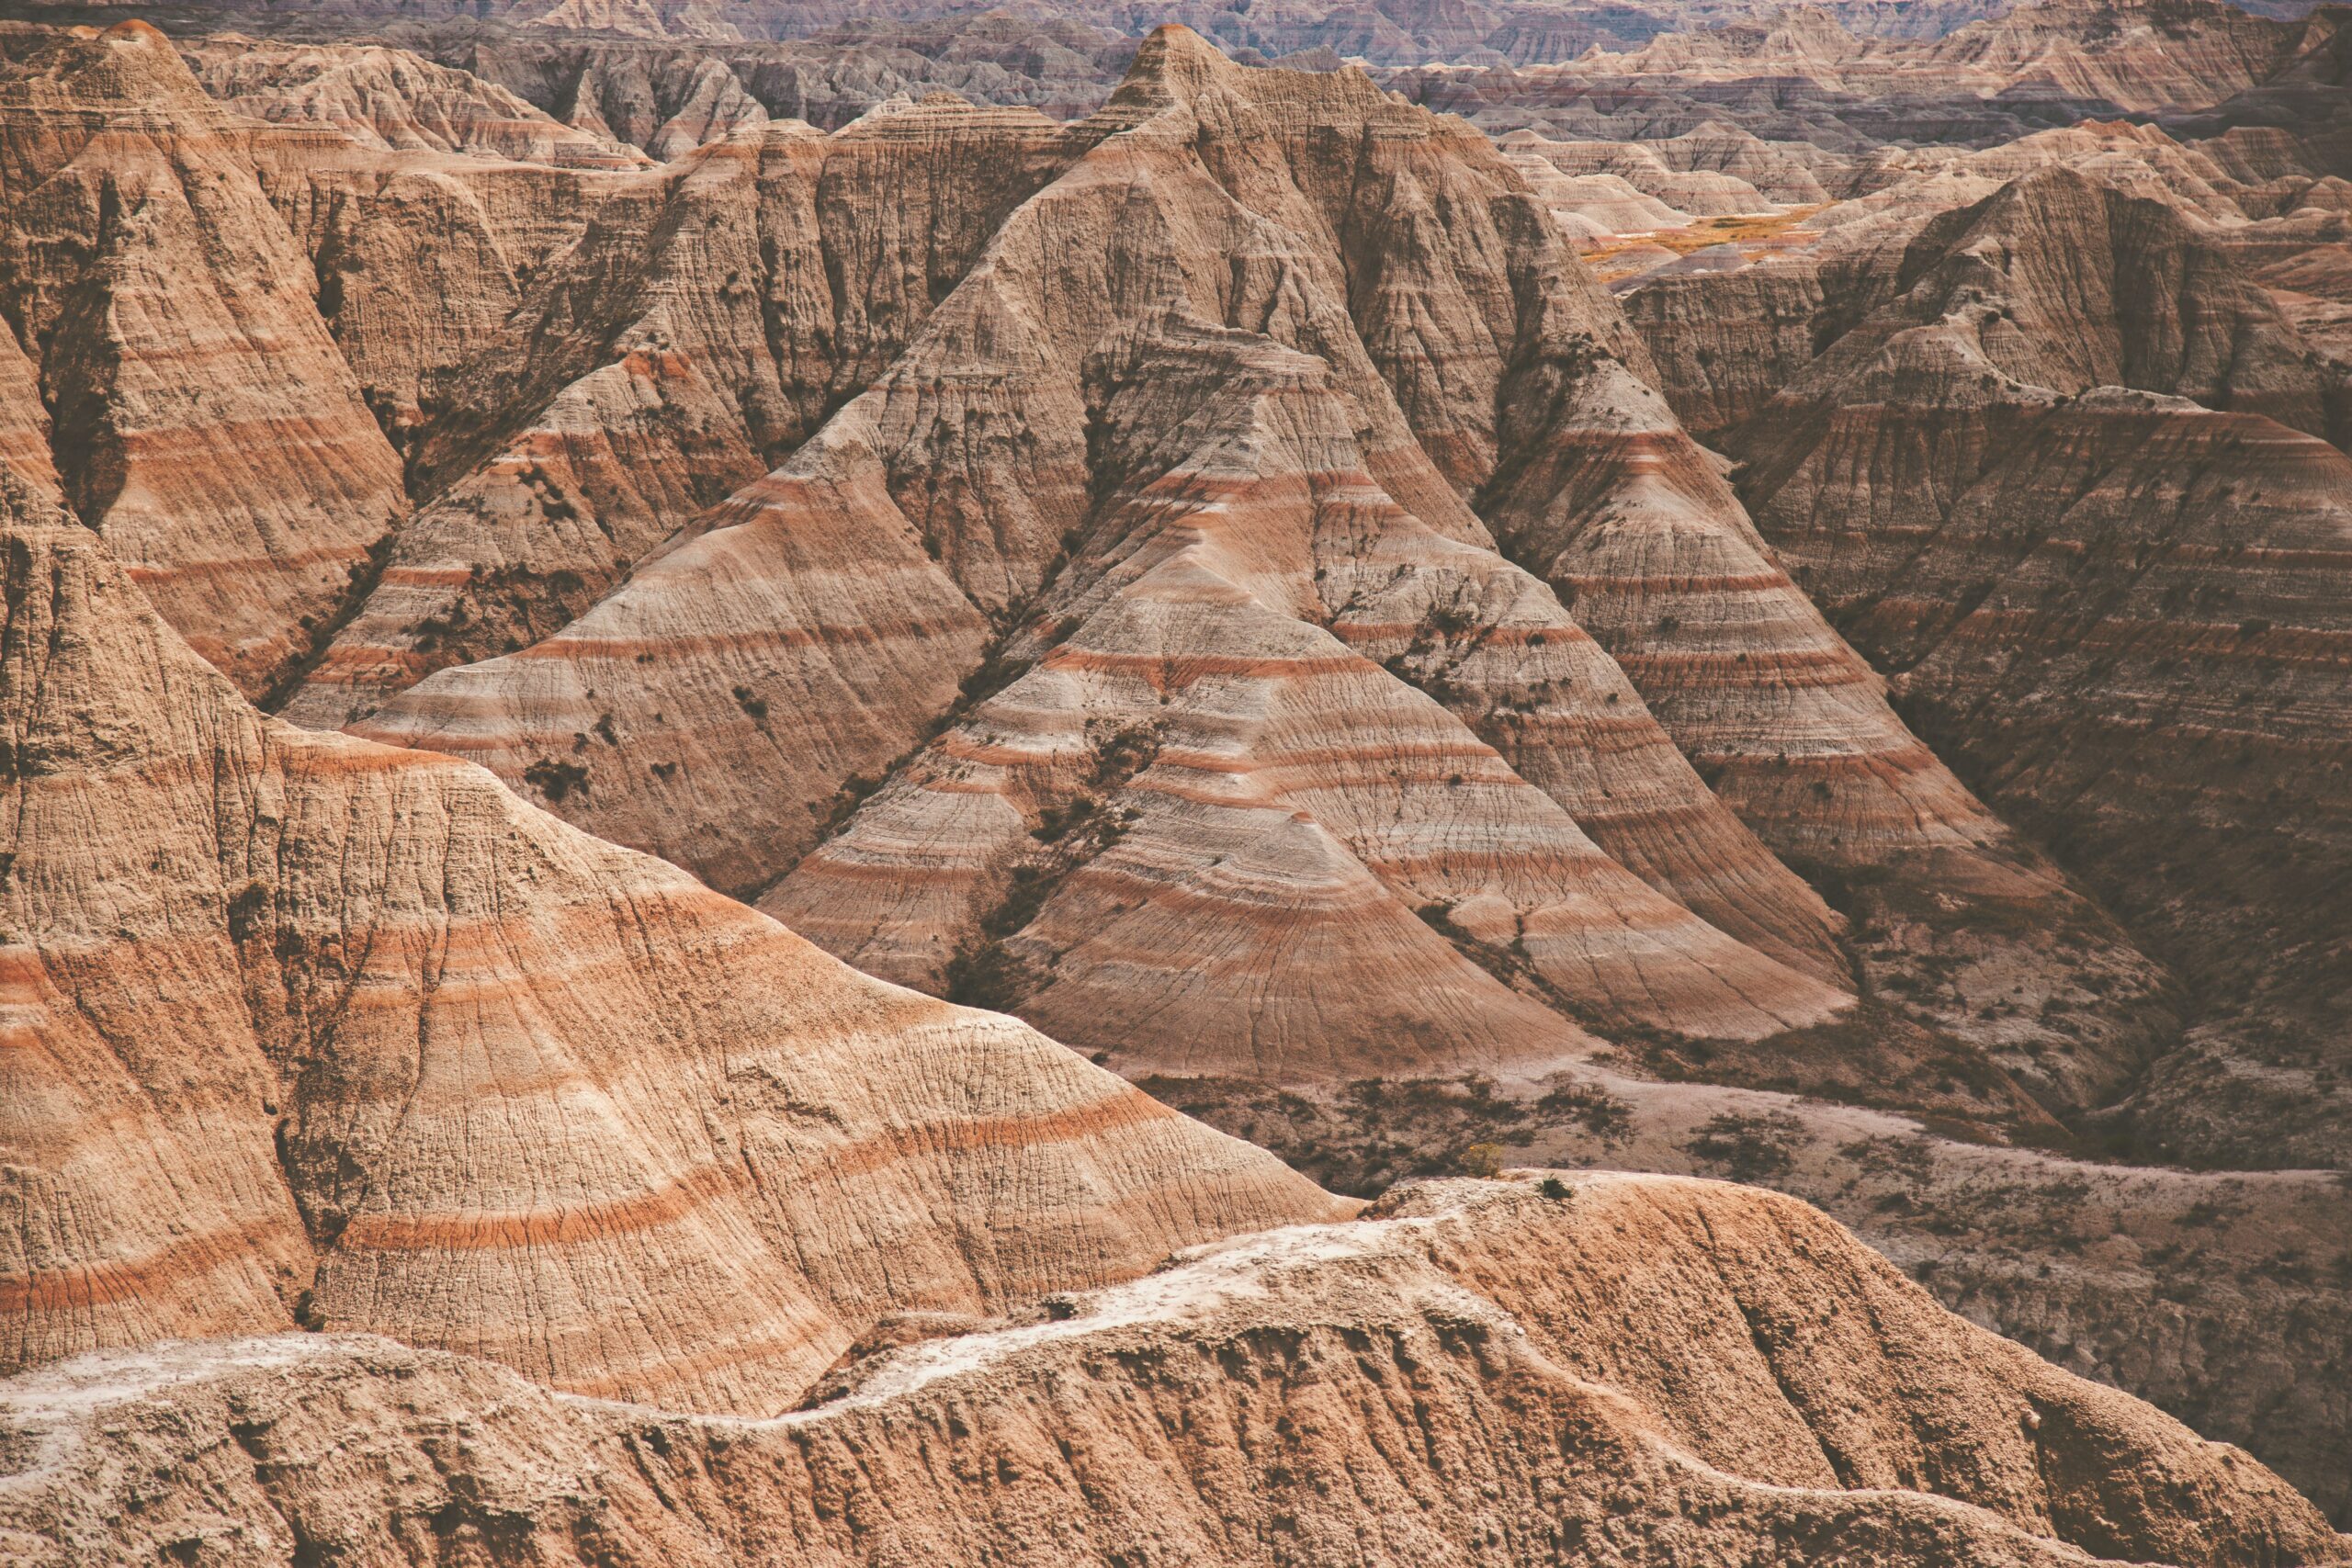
{"x":1055,"y":433}
{"x":208,"y":428}
{"x":1490,"y":1372}
{"x":697,"y":321}
{"x":1191,"y":755}
{"x":301,"y":1027}
{"x":391,"y":99}
{"x":2121,"y":606}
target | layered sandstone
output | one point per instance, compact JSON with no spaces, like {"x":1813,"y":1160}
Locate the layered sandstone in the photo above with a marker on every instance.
{"x":304,"y":1029}
{"x":1808,"y":75}
{"x":1601,"y":1367}
{"x":697,"y":325}
{"x":1372,"y":543}
{"x":1056,"y":566}
{"x":390,"y":99}
{"x":208,"y":428}
{"x":2117,"y":602}
{"x":1191,"y":754}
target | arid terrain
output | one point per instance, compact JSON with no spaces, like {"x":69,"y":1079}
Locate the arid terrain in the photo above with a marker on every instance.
{"x":1527,"y":782}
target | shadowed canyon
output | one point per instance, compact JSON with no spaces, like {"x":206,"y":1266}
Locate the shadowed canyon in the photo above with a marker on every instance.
{"x":1515,"y":783}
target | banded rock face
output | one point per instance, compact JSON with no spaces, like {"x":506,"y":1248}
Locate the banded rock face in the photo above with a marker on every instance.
{"x":1191,"y":755}
{"x":770,"y":279}
{"x":388,"y":98}
{"x":209,"y":429}
{"x":1092,"y":338}
{"x":2119,"y":607}
{"x":749,"y":685}
{"x":1483,"y":1374}
{"x":304,"y":1027}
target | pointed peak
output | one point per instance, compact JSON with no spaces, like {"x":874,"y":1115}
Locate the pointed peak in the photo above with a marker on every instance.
{"x":1173,"y":64}
{"x":135,"y":32}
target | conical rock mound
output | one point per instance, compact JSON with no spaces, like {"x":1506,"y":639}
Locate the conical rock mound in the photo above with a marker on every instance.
{"x":303,"y":1027}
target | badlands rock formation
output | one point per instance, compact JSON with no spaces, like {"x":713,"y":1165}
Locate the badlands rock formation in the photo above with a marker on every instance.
{"x":388,"y":98}
{"x":307,"y":1030}
{"x":208,"y":428}
{"x":1601,"y":1370}
{"x":1800,"y":75}
{"x":974,"y":525}
{"x":2137,"y":497}
{"x":662,"y":338}
{"x":1220,"y":580}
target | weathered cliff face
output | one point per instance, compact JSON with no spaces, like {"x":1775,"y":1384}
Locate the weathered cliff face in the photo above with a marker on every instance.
{"x":1797,"y":75}
{"x":390,"y":99}
{"x":2115,"y":608}
{"x":1488,"y":1373}
{"x":302,"y":1028}
{"x":982,"y":493}
{"x":769,"y":279}
{"x":2252,"y":218}
{"x":1091,"y":480}
{"x":1192,"y":752}
{"x":1589,"y":482}
{"x":2061,"y":283}
{"x":1221,"y":581}
{"x":208,"y":427}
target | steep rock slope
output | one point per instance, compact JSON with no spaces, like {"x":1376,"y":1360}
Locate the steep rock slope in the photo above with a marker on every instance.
{"x":1177,"y":206}
{"x":771,"y":278}
{"x":1726,"y":337}
{"x":1191,"y":754}
{"x":391,"y":99}
{"x":302,"y":1028}
{"x":1805,"y":75}
{"x":1470,"y":356}
{"x":2122,"y":608}
{"x":205,"y":425}
{"x":1523,"y":385}
{"x":1593,"y":486}
{"x":1617,"y":1368}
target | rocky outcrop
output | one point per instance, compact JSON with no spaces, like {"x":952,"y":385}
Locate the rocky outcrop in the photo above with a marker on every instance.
{"x":701,"y":319}
{"x":1190,"y":752}
{"x":1809,"y":74}
{"x":616,"y":466}
{"x":208,"y":428}
{"x":991,"y":507}
{"x":1057,"y":567}
{"x":1603,"y":1366}
{"x":1605,"y":497}
{"x":948,"y":498}
{"x":2053,"y":567}
{"x":303,"y":1029}
{"x":2028,"y":287}
{"x":390,"y":99}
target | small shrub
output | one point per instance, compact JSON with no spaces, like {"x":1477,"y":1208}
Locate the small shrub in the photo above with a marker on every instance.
{"x":247,"y":906}
{"x":1748,"y":1149}
{"x":985,"y":975}
{"x":556,"y":780}
{"x":1055,"y":822}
